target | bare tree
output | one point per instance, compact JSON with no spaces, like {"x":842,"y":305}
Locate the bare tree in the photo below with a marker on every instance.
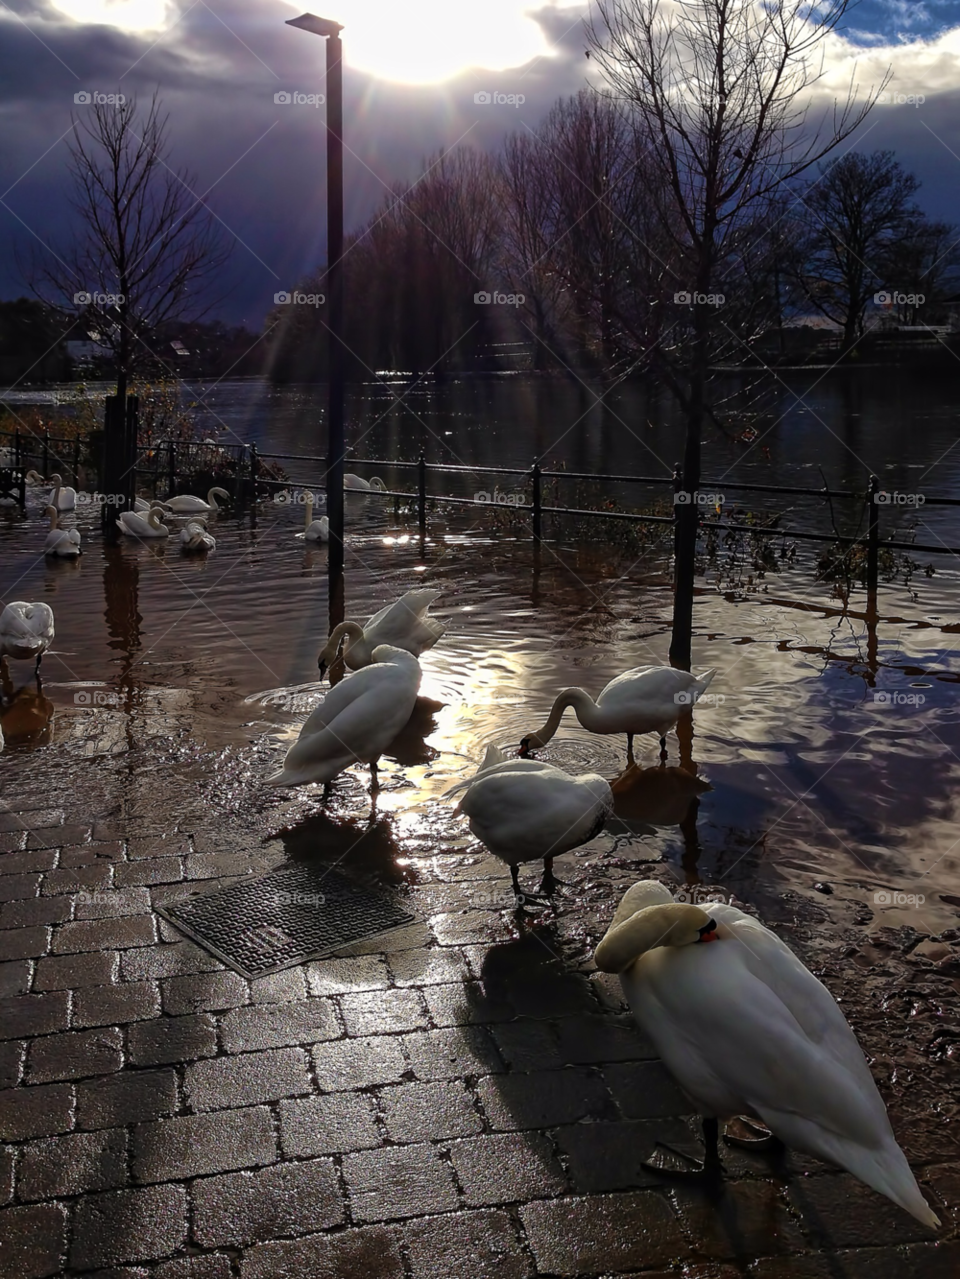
{"x":144,"y":248}
{"x":861,"y":208}
{"x":720,"y":89}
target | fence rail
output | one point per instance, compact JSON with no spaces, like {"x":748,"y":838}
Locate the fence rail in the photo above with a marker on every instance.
{"x":167,"y":460}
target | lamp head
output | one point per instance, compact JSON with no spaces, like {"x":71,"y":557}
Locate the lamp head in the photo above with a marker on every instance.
{"x":319,"y":26}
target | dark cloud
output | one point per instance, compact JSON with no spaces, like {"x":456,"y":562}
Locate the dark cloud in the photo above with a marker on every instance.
{"x":263,"y":163}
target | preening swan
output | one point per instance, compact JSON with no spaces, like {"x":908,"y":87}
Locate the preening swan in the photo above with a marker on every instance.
{"x":404,"y":624}
{"x":26,"y":631}
{"x":359,"y":485}
{"x":524,"y":810}
{"x":746,"y":1029}
{"x":60,"y":541}
{"x":187,"y":504}
{"x":315,"y":530}
{"x":648,"y":699}
{"x":195,"y":539}
{"x":355,"y":722}
{"x":135,"y":525}
{"x":63,"y":498}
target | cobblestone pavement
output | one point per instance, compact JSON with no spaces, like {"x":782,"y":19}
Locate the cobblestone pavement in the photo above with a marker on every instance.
{"x":453,"y":1100}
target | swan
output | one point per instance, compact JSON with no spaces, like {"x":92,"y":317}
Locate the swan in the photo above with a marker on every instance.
{"x":315,"y":530}
{"x":60,"y":541}
{"x":26,"y":631}
{"x":142,"y":506}
{"x":135,"y":525}
{"x":403,"y":624}
{"x":64,"y":499}
{"x":355,"y":722}
{"x":647,"y":699}
{"x":746,"y":1029}
{"x":360,"y":485}
{"x":190,"y":505}
{"x":195,"y":538}
{"x":524,"y":809}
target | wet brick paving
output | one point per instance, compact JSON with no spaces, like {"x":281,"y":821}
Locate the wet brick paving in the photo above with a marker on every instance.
{"x":426,"y":1107}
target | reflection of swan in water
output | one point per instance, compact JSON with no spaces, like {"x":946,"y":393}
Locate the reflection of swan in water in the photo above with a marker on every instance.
{"x":358,"y":484}
{"x":402,"y":624}
{"x":523,"y":810}
{"x":746,"y":1029}
{"x":25,"y":715}
{"x":648,"y":699}
{"x":659,"y":795}
{"x":355,"y":722}
{"x":409,"y":748}
{"x":366,"y":849}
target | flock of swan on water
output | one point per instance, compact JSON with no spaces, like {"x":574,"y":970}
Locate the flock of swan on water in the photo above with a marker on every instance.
{"x":748,"y":1032}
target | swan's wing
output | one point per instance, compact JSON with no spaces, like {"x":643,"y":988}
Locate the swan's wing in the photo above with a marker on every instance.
{"x":512,"y":766}
{"x":531,"y":810}
{"x":402,"y":614}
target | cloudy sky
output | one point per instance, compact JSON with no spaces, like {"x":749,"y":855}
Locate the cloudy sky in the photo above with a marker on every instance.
{"x":412,"y":69}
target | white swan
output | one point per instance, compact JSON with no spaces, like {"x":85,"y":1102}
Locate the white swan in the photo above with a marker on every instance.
{"x":60,"y":541}
{"x":404,"y":624}
{"x":142,"y":506}
{"x":190,"y":505}
{"x":355,"y":722}
{"x":63,"y":498}
{"x":746,"y":1029}
{"x":315,"y":530}
{"x":647,"y":699}
{"x":359,"y":485}
{"x":135,"y":525}
{"x":26,"y":631}
{"x":195,"y":539}
{"x":523,"y":810}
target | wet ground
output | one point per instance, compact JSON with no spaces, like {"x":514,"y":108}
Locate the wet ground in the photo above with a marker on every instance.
{"x":467,"y":1096}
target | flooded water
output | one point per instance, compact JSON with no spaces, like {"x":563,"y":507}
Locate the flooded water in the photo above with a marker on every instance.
{"x":175,"y":684}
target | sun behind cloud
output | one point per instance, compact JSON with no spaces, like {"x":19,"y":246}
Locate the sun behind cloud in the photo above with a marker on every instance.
{"x":428,"y":41}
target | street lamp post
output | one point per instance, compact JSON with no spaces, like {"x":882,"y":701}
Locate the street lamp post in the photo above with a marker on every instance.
{"x":334,"y":291}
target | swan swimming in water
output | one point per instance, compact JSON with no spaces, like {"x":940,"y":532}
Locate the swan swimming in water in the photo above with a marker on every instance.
{"x":403,"y":624}
{"x":26,"y":631}
{"x":63,"y":498}
{"x":355,"y":722}
{"x":194,"y":538}
{"x":648,"y":699}
{"x":359,"y":485}
{"x":187,"y":504}
{"x":315,"y":530}
{"x":523,"y":810}
{"x":746,"y":1029}
{"x":60,"y":541}
{"x":135,"y":525}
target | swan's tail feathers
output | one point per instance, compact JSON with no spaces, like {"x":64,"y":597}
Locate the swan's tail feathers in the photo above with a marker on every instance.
{"x":883,"y":1168}
{"x":703,"y":681}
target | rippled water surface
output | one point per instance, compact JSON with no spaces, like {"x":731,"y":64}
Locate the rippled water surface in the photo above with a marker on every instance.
{"x":799,"y":778}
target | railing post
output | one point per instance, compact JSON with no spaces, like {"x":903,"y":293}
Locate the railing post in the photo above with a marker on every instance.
{"x":537,"y":511}
{"x":873,"y":544}
{"x":422,"y":492}
{"x":677,"y":488}
{"x":17,"y":447}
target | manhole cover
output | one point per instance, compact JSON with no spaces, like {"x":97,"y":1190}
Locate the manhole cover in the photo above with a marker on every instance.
{"x":285,"y":917}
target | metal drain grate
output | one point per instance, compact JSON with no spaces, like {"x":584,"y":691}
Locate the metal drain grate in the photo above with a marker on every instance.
{"x":285,"y":917}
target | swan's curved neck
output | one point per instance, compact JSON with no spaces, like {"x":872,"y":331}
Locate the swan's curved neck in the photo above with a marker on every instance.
{"x":670,"y":924}
{"x":212,"y":499}
{"x":53,"y":516}
{"x":349,"y":631}
{"x":584,"y":707}
{"x":153,"y":519}
{"x":308,"y":514}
